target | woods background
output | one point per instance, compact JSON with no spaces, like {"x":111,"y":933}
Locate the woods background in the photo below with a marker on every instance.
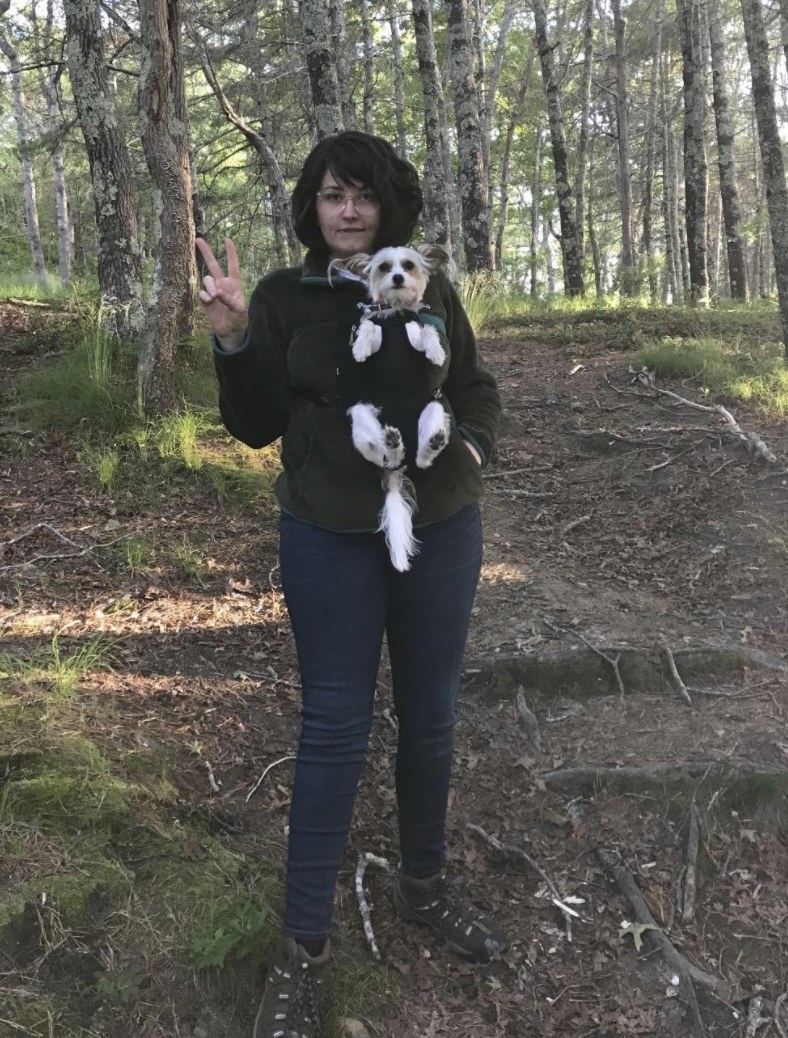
{"x":585,"y":147}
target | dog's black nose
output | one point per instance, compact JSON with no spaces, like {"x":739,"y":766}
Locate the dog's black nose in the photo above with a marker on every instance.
{"x":398,"y":279}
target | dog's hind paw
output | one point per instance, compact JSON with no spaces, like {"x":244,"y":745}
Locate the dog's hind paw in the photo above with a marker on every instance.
{"x":394,"y":448}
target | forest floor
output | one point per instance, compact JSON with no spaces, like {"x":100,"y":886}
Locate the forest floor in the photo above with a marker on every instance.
{"x":619,"y":523}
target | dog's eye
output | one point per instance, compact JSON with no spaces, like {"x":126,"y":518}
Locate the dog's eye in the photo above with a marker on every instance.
{"x":408,"y":265}
{"x":384,"y":268}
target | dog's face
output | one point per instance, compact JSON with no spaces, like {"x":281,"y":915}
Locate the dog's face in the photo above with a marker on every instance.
{"x":397,"y":276}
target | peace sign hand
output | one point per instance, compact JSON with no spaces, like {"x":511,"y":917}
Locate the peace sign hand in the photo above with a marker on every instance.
{"x":222,"y":296}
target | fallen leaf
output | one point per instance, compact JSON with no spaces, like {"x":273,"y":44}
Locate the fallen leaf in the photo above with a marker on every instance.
{"x":636,"y":930}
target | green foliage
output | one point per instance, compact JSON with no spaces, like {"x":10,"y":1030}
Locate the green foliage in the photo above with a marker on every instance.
{"x":59,"y":673}
{"x":232,"y":927}
{"x":745,"y":370}
{"x":480,"y":293}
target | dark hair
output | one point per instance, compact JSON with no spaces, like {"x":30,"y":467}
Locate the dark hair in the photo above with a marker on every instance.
{"x":359,"y":158}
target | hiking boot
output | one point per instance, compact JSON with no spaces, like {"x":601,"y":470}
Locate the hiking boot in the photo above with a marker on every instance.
{"x":290,"y":1006}
{"x":439,"y":905}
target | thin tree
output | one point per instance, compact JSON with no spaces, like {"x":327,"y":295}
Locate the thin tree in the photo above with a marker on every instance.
{"x":584,"y":106}
{"x":651,"y":161}
{"x":696,"y":171}
{"x":119,"y":255}
{"x":574,"y":284}
{"x":322,"y":68}
{"x":165,"y":140}
{"x":393,"y":16}
{"x":771,"y":149}
{"x":627,"y":278}
{"x":437,"y":190}
{"x":23,"y":150}
{"x":49,"y":80}
{"x":473,"y":187}
{"x":729,"y":192}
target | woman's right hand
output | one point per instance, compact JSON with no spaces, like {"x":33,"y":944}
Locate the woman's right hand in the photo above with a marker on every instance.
{"x":222,"y":296}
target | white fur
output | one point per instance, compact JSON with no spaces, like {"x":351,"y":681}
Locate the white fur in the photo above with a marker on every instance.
{"x":380,"y":444}
{"x":434,"y":430}
{"x":369,"y":338}
{"x":396,"y":520}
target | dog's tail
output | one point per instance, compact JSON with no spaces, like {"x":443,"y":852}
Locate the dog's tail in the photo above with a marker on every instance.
{"x":396,"y":519}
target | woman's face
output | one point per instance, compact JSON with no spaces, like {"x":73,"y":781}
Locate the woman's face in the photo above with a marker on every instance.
{"x":345,"y":227}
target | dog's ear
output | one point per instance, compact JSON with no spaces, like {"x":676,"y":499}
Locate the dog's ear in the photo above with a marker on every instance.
{"x":433,"y":255}
{"x":356,"y":264}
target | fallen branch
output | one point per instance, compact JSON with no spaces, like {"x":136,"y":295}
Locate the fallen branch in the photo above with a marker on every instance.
{"x":363,"y":905}
{"x":690,"y":876}
{"x":259,"y":782}
{"x":613,"y":661}
{"x":528,"y":721}
{"x":754,"y":1019}
{"x":519,"y":854}
{"x":675,"y":457}
{"x":752,"y":441}
{"x":214,"y":786}
{"x":674,"y":673}
{"x":629,"y":888}
{"x":589,"y":779}
{"x":574,"y":524}
{"x":778,"y":1005}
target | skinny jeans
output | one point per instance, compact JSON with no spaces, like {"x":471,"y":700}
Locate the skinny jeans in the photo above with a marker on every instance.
{"x":343,"y":594}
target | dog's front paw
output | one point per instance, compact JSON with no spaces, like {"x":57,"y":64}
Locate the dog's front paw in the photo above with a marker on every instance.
{"x":368,"y":340}
{"x":431,"y":345}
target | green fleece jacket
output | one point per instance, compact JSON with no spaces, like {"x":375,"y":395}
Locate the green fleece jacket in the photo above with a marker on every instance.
{"x":282,"y":382}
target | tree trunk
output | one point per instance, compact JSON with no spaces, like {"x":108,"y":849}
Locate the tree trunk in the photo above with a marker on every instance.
{"x":673,"y":282}
{"x":279,"y":195}
{"x":49,"y":80}
{"x":627,"y":278}
{"x":369,"y":66}
{"x":584,"y":102}
{"x":322,"y":68}
{"x":489,"y":94}
{"x":771,"y":151}
{"x":599,"y":282}
{"x":696,"y":174}
{"x":28,"y":183}
{"x":731,"y":210}
{"x":536,"y":200}
{"x":119,"y":257}
{"x":503,"y":194}
{"x":165,"y":141}
{"x":473,"y":188}
{"x":393,"y":17}
{"x":436,"y":218}
{"x":343,"y":58}
{"x":570,"y":254}
{"x":651,"y":155}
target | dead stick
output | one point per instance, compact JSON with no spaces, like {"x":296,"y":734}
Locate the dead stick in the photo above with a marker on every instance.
{"x":751,"y":440}
{"x":528,"y":721}
{"x":363,"y":905}
{"x":613,"y":662}
{"x":674,"y":673}
{"x":259,"y":782}
{"x":690,"y":877}
{"x":515,"y":852}
{"x":629,"y":888}
{"x":777,"y":1010}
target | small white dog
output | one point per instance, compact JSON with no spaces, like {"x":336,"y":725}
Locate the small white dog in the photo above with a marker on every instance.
{"x":396,"y":419}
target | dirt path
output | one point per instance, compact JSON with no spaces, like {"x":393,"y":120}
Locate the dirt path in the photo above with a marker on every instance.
{"x":616,"y":523}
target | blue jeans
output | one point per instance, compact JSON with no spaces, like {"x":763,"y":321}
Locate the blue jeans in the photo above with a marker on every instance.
{"x":342,"y":594}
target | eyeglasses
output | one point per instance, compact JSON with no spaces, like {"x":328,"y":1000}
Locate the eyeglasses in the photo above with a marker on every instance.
{"x":366,"y":201}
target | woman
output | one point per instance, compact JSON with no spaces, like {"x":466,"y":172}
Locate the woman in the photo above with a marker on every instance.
{"x":276,"y":366}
